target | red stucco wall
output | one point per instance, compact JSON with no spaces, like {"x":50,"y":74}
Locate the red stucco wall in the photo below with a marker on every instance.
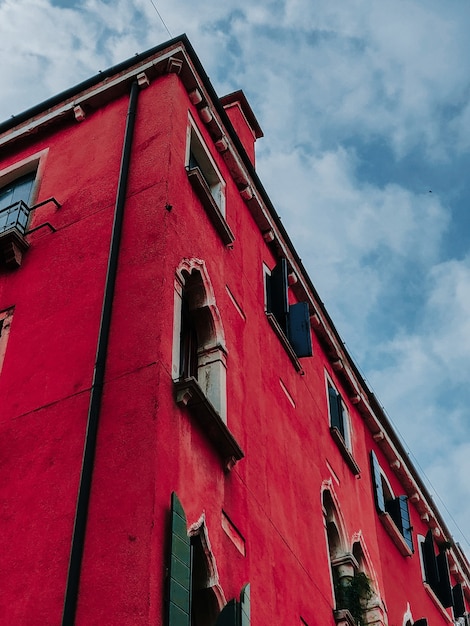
{"x":148,"y":446}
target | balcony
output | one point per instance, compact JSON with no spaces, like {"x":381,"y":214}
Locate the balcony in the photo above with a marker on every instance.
{"x":13,"y":223}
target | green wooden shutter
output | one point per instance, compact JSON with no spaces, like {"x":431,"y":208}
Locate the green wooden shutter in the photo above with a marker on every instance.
{"x":179,"y":586}
{"x":336,"y":409}
{"x":377,"y":483}
{"x":459,"y":600}
{"x":229,"y":615}
{"x":245,"y":606}
{"x":236,"y":613}
{"x":444,"y":590}
{"x":278,"y":303}
{"x":298,"y":329}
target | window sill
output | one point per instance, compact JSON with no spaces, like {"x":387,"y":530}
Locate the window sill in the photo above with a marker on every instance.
{"x":346,"y":454}
{"x":12,"y":247}
{"x":189,"y":394}
{"x":285,"y":342}
{"x":343,"y":618}
{"x":395,"y":534}
{"x":437,"y":602}
{"x":218,"y":220}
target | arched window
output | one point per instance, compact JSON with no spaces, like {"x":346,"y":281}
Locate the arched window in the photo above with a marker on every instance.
{"x":356,"y":600}
{"x":199,"y":350}
{"x":199,"y":367}
{"x":194,"y":595}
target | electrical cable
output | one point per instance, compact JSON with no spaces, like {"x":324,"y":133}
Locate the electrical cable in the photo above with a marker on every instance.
{"x":161,"y":18}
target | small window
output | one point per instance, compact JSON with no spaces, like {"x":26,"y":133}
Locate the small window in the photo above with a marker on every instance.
{"x":199,"y":158}
{"x":436,"y":573}
{"x":207,"y":182}
{"x":339,"y":417}
{"x":292,"y":319}
{"x":14,"y":203}
{"x":394,"y":511}
{"x":340,"y":426}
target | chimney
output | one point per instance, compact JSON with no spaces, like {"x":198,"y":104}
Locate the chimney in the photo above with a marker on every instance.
{"x":243,"y":120}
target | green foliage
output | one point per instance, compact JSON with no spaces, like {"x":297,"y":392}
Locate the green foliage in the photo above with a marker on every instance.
{"x":354,"y":595}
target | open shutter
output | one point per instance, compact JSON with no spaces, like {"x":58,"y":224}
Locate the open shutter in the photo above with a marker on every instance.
{"x":245,"y":619}
{"x":298,"y":329}
{"x":278,"y":303}
{"x":377,"y":483}
{"x":179,"y":587}
{"x":336,"y":410}
{"x":429,"y":560}
{"x":236,"y":613}
{"x":459,"y":600}
{"x":400,"y":513}
{"x":229,"y":615}
{"x":405,"y":521}
{"x":444,"y":590}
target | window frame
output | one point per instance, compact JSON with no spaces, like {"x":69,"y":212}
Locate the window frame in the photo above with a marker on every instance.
{"x":207,"y":181}
{"x":291,"y":322}
{"x":204,"y":395}
{"x":198,"y":155}
{"x":343,"y":440}
{"x":402,"y":537}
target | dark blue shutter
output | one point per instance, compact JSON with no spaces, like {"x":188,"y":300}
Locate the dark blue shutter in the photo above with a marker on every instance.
{"x":245,"y":619}
{"x":400,"y":513}
{"x":377,"y":483}
{"x":444,"y":590}
{"x":298,"y":329}
{"x":228,"y":615}
{"x":429,"y":559}
{"x":336,"y":410}
{"x":458,"y":600}
{"x":179,"y":586}
{"x":405,"y":521}
{"x":278,"y":303}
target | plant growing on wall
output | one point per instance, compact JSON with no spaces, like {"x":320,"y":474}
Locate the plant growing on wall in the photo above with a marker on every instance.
{"x":354,"y":595}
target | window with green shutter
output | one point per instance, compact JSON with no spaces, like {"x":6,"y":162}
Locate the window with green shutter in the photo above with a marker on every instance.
{"x":394,"y":511}
{"x":179,"y":584}
{"x":236,"y":613}
{"x":190,"y":602}
{"x":294,"y":319}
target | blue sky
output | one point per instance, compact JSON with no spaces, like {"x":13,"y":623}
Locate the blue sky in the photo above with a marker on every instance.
{"x":366,"y":112}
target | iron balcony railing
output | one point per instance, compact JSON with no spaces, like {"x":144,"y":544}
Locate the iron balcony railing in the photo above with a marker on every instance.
{"x":15,"y":217}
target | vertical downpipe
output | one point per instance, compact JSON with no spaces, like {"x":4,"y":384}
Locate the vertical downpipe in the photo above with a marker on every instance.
{"x":81,"y":514}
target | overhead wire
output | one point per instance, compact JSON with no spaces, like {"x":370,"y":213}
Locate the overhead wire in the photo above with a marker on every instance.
{"x":161,"y":18}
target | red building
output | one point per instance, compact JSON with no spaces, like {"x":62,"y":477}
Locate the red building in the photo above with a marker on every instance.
{"x":181,"y":425}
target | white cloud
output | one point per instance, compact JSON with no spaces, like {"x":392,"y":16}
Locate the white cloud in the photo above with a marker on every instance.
{"x":360,"y":238}
{"x":325,"y":80}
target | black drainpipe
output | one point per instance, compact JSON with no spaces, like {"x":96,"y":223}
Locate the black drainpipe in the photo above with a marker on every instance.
{"x":81,"y":514}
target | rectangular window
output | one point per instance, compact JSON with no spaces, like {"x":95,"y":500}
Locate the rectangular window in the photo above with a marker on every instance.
{"x":436,"y":571}
{"x":292,"y":319}
{"x":394,"y":511}
{"x":207,"y":182}
{"x":339,"y":418}
{"x":14,"y":203}
{"x":340,"y":426}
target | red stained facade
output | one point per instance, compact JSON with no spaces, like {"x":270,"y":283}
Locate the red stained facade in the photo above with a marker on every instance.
{"x":236,"y":442}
